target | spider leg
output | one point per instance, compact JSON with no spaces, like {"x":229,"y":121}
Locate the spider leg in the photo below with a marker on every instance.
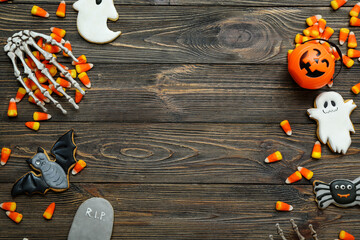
{"x":356,"y":181}
{"x":313,"y":233}
{"x":296,"y":229}
{"x":325,"y":203}
{"x":17,"y":74}
{"x":280,"y":232}
{"x":319,"y":197}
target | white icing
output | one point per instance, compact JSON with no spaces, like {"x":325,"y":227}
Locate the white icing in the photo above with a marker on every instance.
{"x":334,"y":124}
{"x":92,"y":20}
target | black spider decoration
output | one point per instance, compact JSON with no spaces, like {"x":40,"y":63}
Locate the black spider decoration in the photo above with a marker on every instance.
{"x":340,"y":192}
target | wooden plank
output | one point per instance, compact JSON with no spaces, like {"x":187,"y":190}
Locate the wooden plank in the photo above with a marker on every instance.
{"x":184,"y":93}
{"x":183,"y":34}
{"x":176,"y":211}
{"x":181,"y":153}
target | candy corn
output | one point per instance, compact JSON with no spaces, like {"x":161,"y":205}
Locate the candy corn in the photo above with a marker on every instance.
{"x":32,"y":100}
{"x":353,"y":53}
{"x":58,"y":31}
{"x":335,"y":53}
{"x":352,"y":43}
{"x":51,"y":48}
{"x":84,"y":78}
{"x":40,"y":77}
{"x":274,"y":157}
{"x":354,"y":21}
{"x":328,"y":32}
{"x":346,"y":236}
{"x":20,"y":94}
{"x":51,"y":86}
{"x":63,"y":82}
{"x":330,"y":84}
{"x":30,"y":63}
{"x":47,"y":88}
{"x":84,"y":67}
{"x":289,"y":53}
{"x":12,"y":109}
{"x":33,"y":125}
{"x":299,"y":38}
{"x":327,"y":46}
{"x":52,"y":69}
{"x":336,"y":4}
{"x":81,"y":59}
{"x":286,"y":127}
{"x":355,"y":10}
{"x":49,"y":212}
{"x":312,"y":20}
{"x":41,"y":116}
{"x":347,"y":61}
{"x":80,"y":165}
{"x":9,"y":206}
{"x":356,"y":88}
{"x":38,"y":11}
{"x":281,"y":206}
{"x":68,"y":46}
{"x":344,"y":32}
{"x":296,"y":176}
{"x":322,"y":25}
{"x":307,"y":31}
{"x":315,"y":30}
{"x":78,"y":95}
{"x":36,"y":55}
{"x":316,"y":152}
{"x":60,"y":12}
{"x":5,"y":155}
{"x":32,"y":85}
{"x":16,"y":217}
{"x":63,"y":66}
{"x":41,"y":96}
{"x":40,"y":42}
{"x":72,"y":73}
{"x":306,"y":173}
{"x":57,"y":38}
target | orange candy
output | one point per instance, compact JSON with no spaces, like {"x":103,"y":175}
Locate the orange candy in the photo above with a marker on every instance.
{"x":352,"y":43}
{"x":344,"y":33}
{"x":78,"y":95}
{"x":328,"y":32}
{"x":353,"y":53}
{"x":346,"y":236}
{"x":36,"y":55}
{"x":51,"y":86}
{"x":30,"y":63}
{"x":306,"y":173}
{"x":57,"y":38}
{"x":281,"y":206}
{"x":40,"y":77}
{"x":356,"y":88}
{"x":63,"y":82}
{"x":51,"y":48}
{"x":80,"y":165}
{"x":40,"y":42}
{"x":72,"y":73}
{"x":307,"y":31}
{"x":355,"y":10}
{"x":84,"y":67}
{"x":52,"y":69}
{"x":347,"y":61}
{"x":336,"y":4}
{"x":20,"y":94}
{"x":315,"y":30}
{"x":49,"y":212}
{"x":67,"y":44}
{"x":322,"y":25}
{"x":312,"y":20}
{"x":60,"y":12}
{"x":5,"y":155}
{"x":58,"y":31}
{"x":286,"y":127}
{"x":16,"y":217}
{"x":296,"y":176}
{"x":32,"y":100}
{"x":33,"y":125}
{"x":9,"y":206}
{"x":316,"y":152}
{"x":41,"y":116}
{"x":274,"y":157}
{"x":335,"y":53}
{"x":81,"y":59}
{"x":354,"y":21}
{"x":84,"y":78}
{"x":12,"y":109}
{"x":41,"y":96}
{"x":38,"y":11}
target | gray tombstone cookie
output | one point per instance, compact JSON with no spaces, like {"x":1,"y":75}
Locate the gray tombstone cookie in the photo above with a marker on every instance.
{"x":93,"y":221}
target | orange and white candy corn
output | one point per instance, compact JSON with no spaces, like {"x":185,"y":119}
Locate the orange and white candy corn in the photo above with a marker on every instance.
{"x":274,"y":157}
{"x":306,"y":173}
{"x":336,"y":4}
{"x":353,"y":53}
{"x":12,"y":109}
{"x":316,"y":152}
{"x":57,"y":38}
{"x":84,"y":78}
{"x":41,"y":96}
{"x":52,"y":69}
{"x":63,"y":82}
{"x":335,"y":53}
{"x":315,"y":30}
{"x":51,"y":48}
{"x":30,"y":63}
{"x":286,"y":127}
{"x":328,"y":32}
{"x":81,"y":59}
{"x":312,"y":20}
{"x":8,"y":206}
{"x":346,"y":236}
{"x":20,"y":94}
{"x":78,"y":95}
{"x":5,"y":155}
{"x":296,"y":176}
{"x":16,"y":217}
{"x":344,"y":33}
{"x":36,"y":54}
{"x":80,"y":165}
{"x":41,"y":116}
{"x":32,"y":100}
{"x":84,"y":67}
{"x":58,"y":31}
{"x":72,"y":73}
{"x":327,"y":47}
{"x":33,"y":125}
{"x":348,"y":62}
{"x":67,"y":44}
{"x":354,"y":21}
{"x":352,"y":43}
{"x":322,"y":25}
{"x":355,"y":10}
{"x":60,"y":12}
{"x":281,"y":206}
{"x":356,"y":88}
{"x":51,"y":86}
{"x":307,"y":31}
{"x":49,"y":212}
{"x":40,"y":42}
{"x":38,"y":11}
{"x":40,"y":77}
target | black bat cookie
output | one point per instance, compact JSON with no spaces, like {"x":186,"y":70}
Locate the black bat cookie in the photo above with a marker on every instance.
{"x":53,"y":175}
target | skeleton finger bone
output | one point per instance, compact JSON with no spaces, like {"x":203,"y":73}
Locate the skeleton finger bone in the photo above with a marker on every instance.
{"x":296,"y":229}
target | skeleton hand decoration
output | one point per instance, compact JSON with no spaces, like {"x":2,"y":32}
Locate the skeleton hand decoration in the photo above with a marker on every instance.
{"x":296,"y":230}
{"x":21,"y":42}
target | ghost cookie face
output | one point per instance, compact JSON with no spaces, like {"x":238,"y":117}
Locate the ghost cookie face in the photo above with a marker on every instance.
{"x":332,"y":114}
{"x":92,"y":20}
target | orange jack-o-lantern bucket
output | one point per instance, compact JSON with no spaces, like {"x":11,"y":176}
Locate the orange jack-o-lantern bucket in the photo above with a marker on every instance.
{"x":311,"y":65}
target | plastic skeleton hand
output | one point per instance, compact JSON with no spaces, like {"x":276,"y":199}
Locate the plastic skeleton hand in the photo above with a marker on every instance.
{"x":19,"y":44}
{"x":296,"y":230}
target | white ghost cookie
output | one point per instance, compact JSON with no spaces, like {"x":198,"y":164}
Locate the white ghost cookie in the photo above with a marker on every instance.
{"x":92,"y":20}
{"x":333,"y":117}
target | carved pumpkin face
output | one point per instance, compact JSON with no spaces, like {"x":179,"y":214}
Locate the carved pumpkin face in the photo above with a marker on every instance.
{"x":311,"y":65}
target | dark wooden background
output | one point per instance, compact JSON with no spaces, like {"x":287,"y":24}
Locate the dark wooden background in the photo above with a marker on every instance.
{"x":184,"y":108}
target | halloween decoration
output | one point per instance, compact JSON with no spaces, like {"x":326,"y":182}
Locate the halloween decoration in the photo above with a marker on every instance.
{"x":311,"y":65}
{"x":296,"y":230}
{"x":333,"y":117}
{"x":19,"y":44}
{"x":54,"y":175}
{"x":92,"y":20}
{"x":340,"y":192}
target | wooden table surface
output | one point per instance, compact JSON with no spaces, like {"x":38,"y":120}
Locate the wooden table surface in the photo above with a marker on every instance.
{"x":184,"y":108}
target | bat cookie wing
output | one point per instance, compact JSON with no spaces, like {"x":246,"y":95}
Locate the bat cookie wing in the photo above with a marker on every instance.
{"x":29,"y":183}
{"x":64,"y":151}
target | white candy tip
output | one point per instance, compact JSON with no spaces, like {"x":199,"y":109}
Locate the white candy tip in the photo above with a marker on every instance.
{"x":47,"y":15}
{"x":289,"y":133}
{"x":317,"y":142}
{"x":91,"y":65}
{"x":266,"y":160}
{"x":287,"y":181}
{"x":291,"y":208}
{"x":2,"y":164}
{"x":12,"y":100}
{"x":8,"y":213}
{"x":341,"y":42}
{"x":88,"y":85}
{"x":318,"y":16}
{"x":299,"y":168}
